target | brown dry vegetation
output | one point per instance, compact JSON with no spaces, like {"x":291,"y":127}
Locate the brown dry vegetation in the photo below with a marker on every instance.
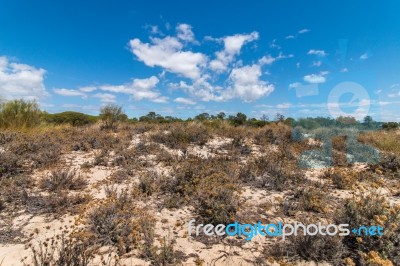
{"x":132,"y":190}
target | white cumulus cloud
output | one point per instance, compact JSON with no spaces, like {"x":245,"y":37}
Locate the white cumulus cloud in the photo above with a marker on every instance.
{"x":184,"y":101}
{"x":316,"y":78}
{"x":21,"y":80}
{"x":168,"y":53}
{"x":139,"y":89}
{"x":232,"y":47}
{"x":246,"y":83}
{"x":320,"y":53}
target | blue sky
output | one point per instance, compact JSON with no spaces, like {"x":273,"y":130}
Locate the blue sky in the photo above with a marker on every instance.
{"x":181,"y":58}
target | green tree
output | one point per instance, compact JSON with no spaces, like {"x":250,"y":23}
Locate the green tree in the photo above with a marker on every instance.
{"x":111,"y":115}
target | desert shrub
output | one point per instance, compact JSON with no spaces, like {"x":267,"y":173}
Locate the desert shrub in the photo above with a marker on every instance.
{"x":368,"y":210}
{"x":20,"y":114}
{"x":274,"y":134}
{"x":68,"y":251}
{"x":10,"y":164}
{"x":275,"y":172}
{"x":342,"y":178}
{"x":62,"y":180}
{"x":13,"y":191}
{"x":307,"y":199}
{"x":148,"y":183}
{"x":56,"y":203}
{"x":179,"y":136}
{"x":387,"y":141}
{"x":390,"y":162}
{"x":117,"y":221}
{"x":316,"y":248}
{"x":164,"y":254}
{"x":38,"y":149}
{"x":216,"y":199}
{"x":111,"y":115}
{"x":188,"y":179}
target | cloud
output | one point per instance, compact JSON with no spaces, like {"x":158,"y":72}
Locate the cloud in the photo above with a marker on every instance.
{"x":302,"y":31}
{"x":283,"y":105}
{"x":320,"y":53}
{"x":294,"y":85}
{"x":185,"y":33}
{"x":184,"y":101}
{"x":68,"y":92}
{"x":106,"y":97}
{"x":246,"y":83}
{"x":268,"y":59}
{"x":139,"y":89}
{"x":289,"y":37}
{"x":232,"y":46}
{"x":364,"y":56}
{"x":317,"y":63}
{"x":88,"y":88}
{"x":316,"y":78}
{"x":21,"y":80}
{"x":168,"y":54}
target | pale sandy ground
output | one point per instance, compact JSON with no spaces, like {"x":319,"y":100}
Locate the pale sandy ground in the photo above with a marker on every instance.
{"x":174,"y":223}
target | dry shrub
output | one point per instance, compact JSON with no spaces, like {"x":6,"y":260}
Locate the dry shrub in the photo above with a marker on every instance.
{"x":10,"y":164}
{"x":57,"y":203}
{"x":312,"y":199}
{"x":13,"y":190}
{"x":316,"y":248}
{"x":180,"y":135}
{"x":62,"y":180}
{"x":148,"y":183}
{"x":342,"y":178}
{"x":216,"y":199}
{"x":369,"y":210}
{"x":38,"y":149}
{"x":274,"y":134}
{"x":66,"y":250}
{"x":117,"y":221}
{"x":210,"y":185}
{"x":275,"y":172}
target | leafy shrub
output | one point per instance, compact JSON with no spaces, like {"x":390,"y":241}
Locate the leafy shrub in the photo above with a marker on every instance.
{"x":62,"y":180}
{"x":20,"y":114}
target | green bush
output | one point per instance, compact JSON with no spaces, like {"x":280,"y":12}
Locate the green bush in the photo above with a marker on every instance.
{"x":20,"y":114}
{"x":72,"y":118}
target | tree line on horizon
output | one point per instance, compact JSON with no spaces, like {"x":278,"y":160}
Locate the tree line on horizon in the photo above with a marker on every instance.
{"x":26,"y":114}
